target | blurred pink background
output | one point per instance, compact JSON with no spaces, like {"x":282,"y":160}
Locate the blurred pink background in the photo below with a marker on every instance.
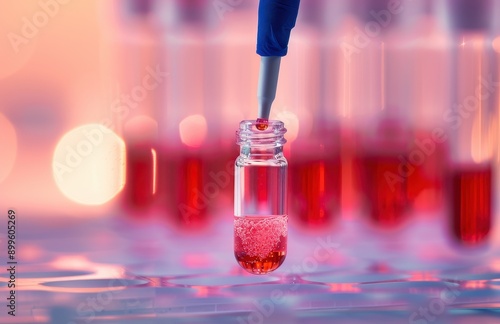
{"x":180,"y":76}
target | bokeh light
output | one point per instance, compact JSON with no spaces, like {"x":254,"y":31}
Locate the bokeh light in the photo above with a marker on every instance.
{"x":89,"y":164}
{"x":193,"y":130}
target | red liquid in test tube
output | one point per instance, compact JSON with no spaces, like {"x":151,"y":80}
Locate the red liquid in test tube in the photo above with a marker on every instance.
{"x":193,"y":195}
{"x":260,"y":243}
{"x":471,"y":203}
{"x":384,"y":189}
{"x":428,"y":161}
{"x":316,"y":189}
{"x":260,"y":198}
{"x":140,"y":186}
{"x":192,"y":200}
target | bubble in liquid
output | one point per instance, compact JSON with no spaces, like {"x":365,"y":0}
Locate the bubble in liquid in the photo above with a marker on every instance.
{"x":260,"y":243}
{"x":259,"y":235}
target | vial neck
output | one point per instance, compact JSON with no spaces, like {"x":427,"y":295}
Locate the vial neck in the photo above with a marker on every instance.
{"x":261,"y":152}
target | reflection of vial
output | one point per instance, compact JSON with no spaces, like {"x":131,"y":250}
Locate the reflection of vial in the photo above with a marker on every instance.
{"x":260,"y":208}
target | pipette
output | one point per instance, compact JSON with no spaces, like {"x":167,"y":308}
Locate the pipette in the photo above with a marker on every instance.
{"x":276,"y":20}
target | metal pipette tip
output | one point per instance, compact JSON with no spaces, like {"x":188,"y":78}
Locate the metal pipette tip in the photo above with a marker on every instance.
{"x":266,"y":92}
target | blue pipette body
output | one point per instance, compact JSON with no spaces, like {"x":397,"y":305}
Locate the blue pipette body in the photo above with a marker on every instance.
{"x":276,"y":20}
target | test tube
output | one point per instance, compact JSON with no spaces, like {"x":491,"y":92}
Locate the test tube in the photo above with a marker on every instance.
{"x":133,"y":52}
{"x":470,"y":123}
{"x":335,"y":114}
{"x":239,"y":68}
{"x":381,"y":123}
{"x":260,"y":198}
{"x":312,"y":121}
{"x":190,"y":120}
{"x":419,"y":92}
{"x":496,"y":49}
{"x":427,"y":46}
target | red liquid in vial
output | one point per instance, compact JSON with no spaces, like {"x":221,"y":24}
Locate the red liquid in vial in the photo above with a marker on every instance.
{"x":193,"y":202}
{"x":316,"y":190}
{"x":261,"y":124}
{"x":471,"y":204}
{"x":384,"y":189}
{"x":140,"y":186}
{"x":260,"y":243}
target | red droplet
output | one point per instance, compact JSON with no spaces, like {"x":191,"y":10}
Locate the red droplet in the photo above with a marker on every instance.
{"x":262,"y":124}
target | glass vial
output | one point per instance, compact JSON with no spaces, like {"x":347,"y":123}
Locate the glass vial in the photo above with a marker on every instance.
{"x":427,"y":44}
{"x":260,"y":192}
{"x":190,"y":118}
{"x":470,"y":122}
{"x":312,"y":120}
{"x":379,"y":118}
{"x":134,"y":76}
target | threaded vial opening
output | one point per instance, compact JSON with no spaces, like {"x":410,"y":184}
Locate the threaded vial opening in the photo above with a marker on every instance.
{"x":273,"y":136}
